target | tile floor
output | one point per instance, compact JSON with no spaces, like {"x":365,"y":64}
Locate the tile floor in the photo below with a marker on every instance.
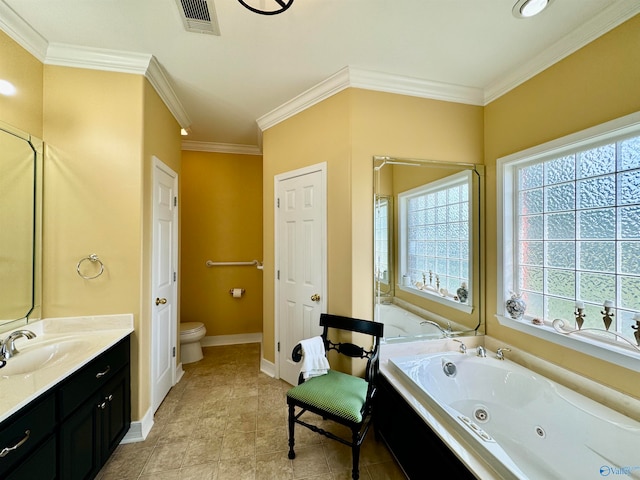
{"x":225,"y":420}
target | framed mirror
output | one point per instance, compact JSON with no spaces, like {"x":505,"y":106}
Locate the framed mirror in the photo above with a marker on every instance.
{"x":427,"y":248}
{"x":20,"y":218}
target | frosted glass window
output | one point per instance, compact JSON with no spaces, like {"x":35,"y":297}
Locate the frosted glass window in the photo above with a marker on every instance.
{"x":435,"y":235}
{"x":577,"y":232}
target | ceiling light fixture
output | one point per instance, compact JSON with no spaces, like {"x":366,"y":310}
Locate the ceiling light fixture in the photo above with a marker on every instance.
{"x":529,"y":8}
{"x":266,"y":7}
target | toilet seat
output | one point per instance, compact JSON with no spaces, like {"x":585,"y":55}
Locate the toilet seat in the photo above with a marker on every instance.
{"x":187,"y":328}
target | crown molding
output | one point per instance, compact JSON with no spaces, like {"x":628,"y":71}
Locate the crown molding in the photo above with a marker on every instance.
{"x":158,"y":79}
{"x":370,"y":80}
{"x":415,"y":87}
{"x":22,"y":33}
{"x":323,"y":90}
{"x":602,"y":23}
{"x":123,"y":62}
{"x":221,"y":148}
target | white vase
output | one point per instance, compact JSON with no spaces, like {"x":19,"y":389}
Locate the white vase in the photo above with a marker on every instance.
{"x":516,"y":306}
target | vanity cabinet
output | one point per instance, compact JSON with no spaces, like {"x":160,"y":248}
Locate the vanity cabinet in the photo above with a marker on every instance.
{"x":418,"y":450}
{"x":28,"y":440}
{"x":69,"y":432}
{"x":95,"y":411}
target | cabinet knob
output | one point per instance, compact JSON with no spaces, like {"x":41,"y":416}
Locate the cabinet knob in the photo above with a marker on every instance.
{"x":102,"y":405}
{"x":109,"y":398}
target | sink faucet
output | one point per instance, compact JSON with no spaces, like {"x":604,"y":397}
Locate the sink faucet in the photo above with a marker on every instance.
{"x":500,"y":352}
{"x":482,"y":352}
{"x":445,"y":333}
{"x":7,"y":346}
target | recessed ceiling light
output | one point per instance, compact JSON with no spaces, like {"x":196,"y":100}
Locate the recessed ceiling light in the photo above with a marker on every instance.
{"x":529,"y":8}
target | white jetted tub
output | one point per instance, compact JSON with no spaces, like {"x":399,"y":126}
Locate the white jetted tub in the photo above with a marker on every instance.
{"x":401,"y":325}
{"x":525,"y":425}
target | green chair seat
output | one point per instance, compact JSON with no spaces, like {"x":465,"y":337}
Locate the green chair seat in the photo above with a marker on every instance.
{"x":336,"y":392}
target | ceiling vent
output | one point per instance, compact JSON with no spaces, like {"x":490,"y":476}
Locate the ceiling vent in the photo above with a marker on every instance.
{"x":199,"y":16}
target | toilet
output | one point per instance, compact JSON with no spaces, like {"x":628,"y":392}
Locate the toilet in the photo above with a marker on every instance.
{"x":190,"y":335}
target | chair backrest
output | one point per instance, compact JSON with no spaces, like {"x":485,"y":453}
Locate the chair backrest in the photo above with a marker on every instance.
{"x":367,"y":327}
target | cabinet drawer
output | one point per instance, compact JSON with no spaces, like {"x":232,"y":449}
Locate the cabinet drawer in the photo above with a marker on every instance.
{"x":25,"y":430}
{"x":91,"y":377}
{"x":40,"y":465}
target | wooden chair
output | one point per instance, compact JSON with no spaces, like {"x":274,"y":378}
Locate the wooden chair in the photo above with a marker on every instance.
{"x":343,"y":398}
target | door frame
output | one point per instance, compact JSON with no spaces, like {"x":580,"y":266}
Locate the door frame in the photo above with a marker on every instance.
{"x":277,"y":179}
{"x":158,"y":164}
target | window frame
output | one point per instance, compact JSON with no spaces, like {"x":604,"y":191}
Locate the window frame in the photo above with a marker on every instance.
{"x":465,"y":176}
{"x":507,"y":236}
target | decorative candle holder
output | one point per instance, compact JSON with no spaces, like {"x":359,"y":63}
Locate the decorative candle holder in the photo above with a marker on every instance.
{"x":636,"y":327}
{"x":430,"y":277}
{"x":579,"y":313}
{"x":607,"y":314}
{"x":437,"y":283}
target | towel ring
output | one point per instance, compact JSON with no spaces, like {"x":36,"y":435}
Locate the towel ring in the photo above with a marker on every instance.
{"x":92,"y":258}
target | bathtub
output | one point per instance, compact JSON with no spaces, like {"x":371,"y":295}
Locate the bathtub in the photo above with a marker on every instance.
{"x":401,"y":325}
{"x":523,"y":424}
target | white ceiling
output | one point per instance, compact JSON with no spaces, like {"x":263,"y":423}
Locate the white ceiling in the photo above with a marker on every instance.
{"x":220,"y":86}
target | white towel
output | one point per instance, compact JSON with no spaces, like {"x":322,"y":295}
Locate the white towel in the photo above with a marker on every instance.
{"x":314,"y":361}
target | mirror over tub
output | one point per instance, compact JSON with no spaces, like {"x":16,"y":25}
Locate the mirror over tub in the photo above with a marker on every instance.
{"x":20,"y":217}
{"x":427,"y":248}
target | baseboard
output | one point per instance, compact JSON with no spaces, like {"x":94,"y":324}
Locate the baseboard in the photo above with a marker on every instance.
{"x":267,"y":367}
{"x":179,"y":373}
{"x":214,"y":341}
{"x":139,"y":430}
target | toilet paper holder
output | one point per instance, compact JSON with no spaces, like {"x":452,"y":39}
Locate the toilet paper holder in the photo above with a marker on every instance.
{"x":236,"y":292}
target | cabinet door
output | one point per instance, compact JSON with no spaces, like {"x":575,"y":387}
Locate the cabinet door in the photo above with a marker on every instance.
{"x":116,"y":416}
{"x":80,"y":456}
{"x":40,"y":465}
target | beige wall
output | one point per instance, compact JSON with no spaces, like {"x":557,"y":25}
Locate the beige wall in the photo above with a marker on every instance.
{"x":24,"y":109}
{"x":100,"y":131}
{"x":319,"y":134}
{"x":221,"y":221}
{"x":346,"y":131}
{"x":162,"y":140}
{"x":596,"y":84}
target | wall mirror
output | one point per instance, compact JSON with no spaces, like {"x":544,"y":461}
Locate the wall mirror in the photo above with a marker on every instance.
{"x":427,"y":248}
{"x":20,"y":226}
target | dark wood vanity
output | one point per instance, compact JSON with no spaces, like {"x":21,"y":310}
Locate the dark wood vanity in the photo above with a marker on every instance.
{"x":70,"y":431}
{"x":417,"y":449}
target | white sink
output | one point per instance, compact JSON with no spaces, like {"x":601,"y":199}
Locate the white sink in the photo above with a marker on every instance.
{"x":42,"y":354}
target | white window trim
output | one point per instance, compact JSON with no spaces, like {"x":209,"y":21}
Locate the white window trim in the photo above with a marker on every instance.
{"x":402,"y":209}
{"x":505,"y":234}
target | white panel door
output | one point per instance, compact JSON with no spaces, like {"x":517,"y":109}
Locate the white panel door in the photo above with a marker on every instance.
{"x":164,"y":291}
{"x":301,"y":263}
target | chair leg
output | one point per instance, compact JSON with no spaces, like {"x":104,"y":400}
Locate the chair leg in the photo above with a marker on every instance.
{"x":292,"y":423}
{"x":355,"y":455}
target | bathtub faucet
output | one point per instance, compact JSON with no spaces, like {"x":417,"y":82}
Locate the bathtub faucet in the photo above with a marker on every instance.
{"x":445,"y":333}
{"x":500,"y":352}
{"x":463,"y":347}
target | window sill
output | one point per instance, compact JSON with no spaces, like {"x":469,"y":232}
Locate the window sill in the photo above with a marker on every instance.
{"x":625,"y":357}
{"x":438,"y":299}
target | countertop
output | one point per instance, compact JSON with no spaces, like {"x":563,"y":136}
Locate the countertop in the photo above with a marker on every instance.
{"x":94,"y":335}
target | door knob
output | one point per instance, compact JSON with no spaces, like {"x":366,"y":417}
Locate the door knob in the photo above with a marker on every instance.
{"x":315,"y":297}
{"x":161,"y":301}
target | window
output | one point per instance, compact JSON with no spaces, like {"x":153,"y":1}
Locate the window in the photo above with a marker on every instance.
{"x":381,"y":240}
{"x":435,"y":227}
{"x":571,"y":231}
